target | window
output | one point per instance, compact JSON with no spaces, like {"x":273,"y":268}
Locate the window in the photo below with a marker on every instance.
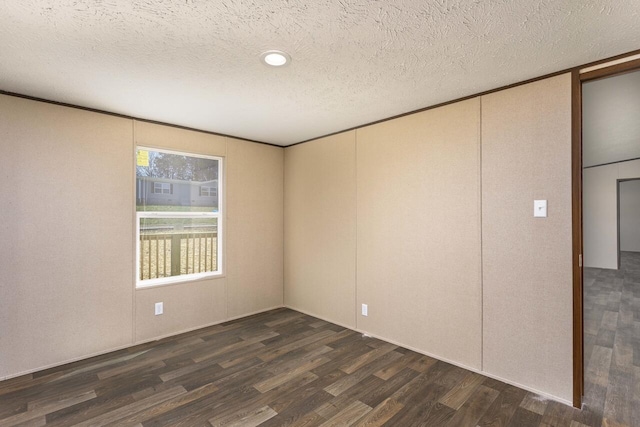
{"x":162,"y":188}
{"x":178,"y":234}
{"x":208,"y":191}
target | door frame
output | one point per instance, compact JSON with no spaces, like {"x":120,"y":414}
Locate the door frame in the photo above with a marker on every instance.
{"x":578,"y":77}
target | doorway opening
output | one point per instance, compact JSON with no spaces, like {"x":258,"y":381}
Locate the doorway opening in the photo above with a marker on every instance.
{"x":606,"y":220}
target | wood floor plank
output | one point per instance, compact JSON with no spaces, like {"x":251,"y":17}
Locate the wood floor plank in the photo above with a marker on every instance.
{"x":503,"y":408}
{"x":75,"y":414}
{"x":36,"y":422}
{"x":299,"y":407}
{"x":422,"y":384}
{"x":130,"y":367}
{"x":240,"y":345}
{"x":423,"y":364}
{"x":367,"y":358}
{"x":348,"y":415}
{"x":474,"y":408}
{"x":222,"y":409}
{"x":348,"y":381}
{"x":289,"y":317}
{"x":308,"y":420}
{"x":375,"y":395}
{"x":284,"y":364}
{"x":275,"y":353}
{"x":459,"y":394}
{"x":400,"y":364}
{"x":247,"y":418}
{"x":618,"y":404}
{"x":338,"y":403}
{"x":43,"y":410}
{"x":525,"y":418}
{"x":280,"y":402}
{"x":599,"y":365}
{"x":132,"y":408}
{"x":420,"y":398}
{"x":288,"y":375}
{"x":381,"y":413}
{"x":557,"y":415}
{"x":534,"y":403}
{"x":167,"y":405}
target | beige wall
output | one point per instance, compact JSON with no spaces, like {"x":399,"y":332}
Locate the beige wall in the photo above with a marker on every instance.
{"x":186,"y":306}
{"x":600,"y":216}
{"x":320,"y":233}
{"x":67,"y":250}
{"x":630,"y":216}
{"x":419,"y":231}
{"x":492,"y":294}
{"x":255,"y":227}
{"x":600,"y":213}
{"x":527,"y":261}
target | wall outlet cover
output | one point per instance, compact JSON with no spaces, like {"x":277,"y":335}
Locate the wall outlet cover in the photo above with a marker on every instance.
{"x":159,"y":308}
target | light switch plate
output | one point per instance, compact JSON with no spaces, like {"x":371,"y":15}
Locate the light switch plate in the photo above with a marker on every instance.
{"x":540,"y":208}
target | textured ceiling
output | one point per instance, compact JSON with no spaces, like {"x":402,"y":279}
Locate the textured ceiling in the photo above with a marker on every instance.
{"x":195,"y":62}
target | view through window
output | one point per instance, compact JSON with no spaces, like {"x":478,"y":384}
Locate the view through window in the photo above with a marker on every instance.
{"x":178,"y":220}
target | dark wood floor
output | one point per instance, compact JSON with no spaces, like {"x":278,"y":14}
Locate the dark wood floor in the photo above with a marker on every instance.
{"x":612,"y":342}
{"x":273,"y":369}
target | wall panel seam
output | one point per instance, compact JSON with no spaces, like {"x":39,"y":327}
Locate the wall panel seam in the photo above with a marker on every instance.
{"x":355,"y":142}
{"x":284,"y":206}
{"x":481,"y":231}
{"x":135,"y":267}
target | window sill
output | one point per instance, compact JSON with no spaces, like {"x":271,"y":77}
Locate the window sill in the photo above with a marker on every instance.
{"x":179,"y":280}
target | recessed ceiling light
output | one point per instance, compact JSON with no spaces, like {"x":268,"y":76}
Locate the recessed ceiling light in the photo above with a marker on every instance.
{"x":275,"y":58}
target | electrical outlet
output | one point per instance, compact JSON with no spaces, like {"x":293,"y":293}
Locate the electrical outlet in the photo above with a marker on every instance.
{"x":159,"y":308}
{"x":365,"y":310}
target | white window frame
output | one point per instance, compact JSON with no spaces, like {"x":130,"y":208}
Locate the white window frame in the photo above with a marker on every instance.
{"x":159,"y":214}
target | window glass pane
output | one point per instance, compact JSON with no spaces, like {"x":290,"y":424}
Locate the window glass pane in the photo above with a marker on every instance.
{"x":177,"y":246}
{"x":171,"y":182}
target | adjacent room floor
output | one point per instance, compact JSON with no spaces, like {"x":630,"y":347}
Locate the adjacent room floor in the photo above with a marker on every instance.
{"x":612,"y":341}
{"x":284,"y":368}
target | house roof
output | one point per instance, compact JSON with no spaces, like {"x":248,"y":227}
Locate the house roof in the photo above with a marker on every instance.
{"x":175,"y":181}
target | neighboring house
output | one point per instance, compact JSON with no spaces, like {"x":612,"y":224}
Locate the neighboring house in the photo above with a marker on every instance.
{"x":175,"y":192}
